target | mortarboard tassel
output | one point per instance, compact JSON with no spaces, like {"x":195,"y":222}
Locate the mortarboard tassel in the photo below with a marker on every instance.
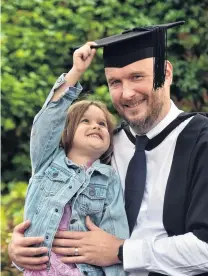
{"x":160,"y":38}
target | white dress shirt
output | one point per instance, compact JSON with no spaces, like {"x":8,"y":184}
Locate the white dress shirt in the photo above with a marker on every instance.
{"x":149,"y":247}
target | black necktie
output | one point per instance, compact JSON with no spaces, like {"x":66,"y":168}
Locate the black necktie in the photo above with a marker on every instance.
{"x":135,"y":181}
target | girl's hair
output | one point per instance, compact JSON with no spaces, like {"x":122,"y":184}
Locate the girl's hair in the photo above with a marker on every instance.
{"x":75,"y":113}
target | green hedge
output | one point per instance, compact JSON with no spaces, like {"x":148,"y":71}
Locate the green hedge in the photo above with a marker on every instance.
{"x":37,"y":41}
{"x":11,"y":215}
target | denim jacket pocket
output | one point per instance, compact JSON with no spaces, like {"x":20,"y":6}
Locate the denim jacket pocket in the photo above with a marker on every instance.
{"x":53,"y":181}
{"x":92,"y":198}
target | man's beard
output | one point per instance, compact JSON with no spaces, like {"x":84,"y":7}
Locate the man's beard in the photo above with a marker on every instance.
{"x":143,"y":125}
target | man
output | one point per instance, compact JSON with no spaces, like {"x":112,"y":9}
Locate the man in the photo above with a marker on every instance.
{"x":165,"y":183}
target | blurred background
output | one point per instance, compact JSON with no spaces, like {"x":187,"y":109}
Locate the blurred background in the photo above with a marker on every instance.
{"x":37,"y":43}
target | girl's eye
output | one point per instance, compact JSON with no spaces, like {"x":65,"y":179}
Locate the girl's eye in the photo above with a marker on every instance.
{"x":102,"y":124}
{"x":84,"y":121}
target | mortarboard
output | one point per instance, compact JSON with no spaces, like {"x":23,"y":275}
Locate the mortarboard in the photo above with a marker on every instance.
{"x":136,"y":44}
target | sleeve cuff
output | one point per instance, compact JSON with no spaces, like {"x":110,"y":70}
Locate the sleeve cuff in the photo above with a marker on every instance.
{"x":59,"y":81}
{"x":74,"y":91}
{"x":134,"y":255}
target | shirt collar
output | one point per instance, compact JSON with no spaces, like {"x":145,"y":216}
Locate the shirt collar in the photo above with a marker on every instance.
{"x":172,"y":114}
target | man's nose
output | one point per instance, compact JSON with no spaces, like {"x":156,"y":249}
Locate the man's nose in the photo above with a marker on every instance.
{"x":127,"y":91}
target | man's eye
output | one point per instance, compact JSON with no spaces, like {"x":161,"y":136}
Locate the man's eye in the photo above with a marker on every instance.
{"x":114,"y":82}
{"x":137,"y":77}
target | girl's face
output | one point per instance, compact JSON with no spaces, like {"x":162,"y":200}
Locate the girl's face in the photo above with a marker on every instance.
{"x":91,"y":135}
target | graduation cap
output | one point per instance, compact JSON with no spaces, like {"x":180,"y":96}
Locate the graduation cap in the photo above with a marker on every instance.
{"x":136,"y":44}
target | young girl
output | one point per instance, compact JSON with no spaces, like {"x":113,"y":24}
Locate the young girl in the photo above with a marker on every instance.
{"x":71,"y":180}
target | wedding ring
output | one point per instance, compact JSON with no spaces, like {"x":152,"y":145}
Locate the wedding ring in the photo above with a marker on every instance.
{"x":76,"y":252}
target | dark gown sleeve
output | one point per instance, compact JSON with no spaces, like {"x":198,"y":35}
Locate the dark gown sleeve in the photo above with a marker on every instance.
{"x":186,"y":198}
{"x":197,"y":213}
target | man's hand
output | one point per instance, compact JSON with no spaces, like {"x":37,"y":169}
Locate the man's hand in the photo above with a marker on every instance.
{"x":95,"y":247}
{"x":23,"y":255}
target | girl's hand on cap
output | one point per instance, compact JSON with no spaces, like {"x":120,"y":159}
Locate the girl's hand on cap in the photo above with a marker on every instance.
{"x":83,"y":57}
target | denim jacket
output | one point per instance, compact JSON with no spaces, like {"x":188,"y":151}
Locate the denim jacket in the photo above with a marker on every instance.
{"x":55,"y":181}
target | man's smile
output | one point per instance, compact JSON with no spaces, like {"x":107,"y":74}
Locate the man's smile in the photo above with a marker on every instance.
{"x":133,"y":105}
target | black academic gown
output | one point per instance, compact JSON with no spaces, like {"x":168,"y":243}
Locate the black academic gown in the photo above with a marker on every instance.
{"x":186,"y":196}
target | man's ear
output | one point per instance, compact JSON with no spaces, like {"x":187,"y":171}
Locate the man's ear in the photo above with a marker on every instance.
{"x":169,"y":73}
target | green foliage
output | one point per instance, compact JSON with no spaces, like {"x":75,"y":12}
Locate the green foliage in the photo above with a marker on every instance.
{"x":37,"y":42}
{"x":11,"y":215}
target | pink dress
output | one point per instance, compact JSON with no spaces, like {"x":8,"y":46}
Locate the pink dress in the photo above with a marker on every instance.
{"x":57,"y":268}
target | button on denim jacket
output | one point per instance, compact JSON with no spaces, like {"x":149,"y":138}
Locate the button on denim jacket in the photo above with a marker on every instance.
{"x":56,"y":181}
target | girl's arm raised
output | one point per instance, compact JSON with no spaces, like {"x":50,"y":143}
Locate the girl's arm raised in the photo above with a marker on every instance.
{"x":82,"y":58}
{"x":49,"y":122}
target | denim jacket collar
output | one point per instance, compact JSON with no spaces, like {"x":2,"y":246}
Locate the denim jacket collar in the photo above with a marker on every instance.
{"x":96,"y":166}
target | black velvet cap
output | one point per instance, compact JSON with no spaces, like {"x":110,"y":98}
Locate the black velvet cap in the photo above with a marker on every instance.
{"x":136,"y":44}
